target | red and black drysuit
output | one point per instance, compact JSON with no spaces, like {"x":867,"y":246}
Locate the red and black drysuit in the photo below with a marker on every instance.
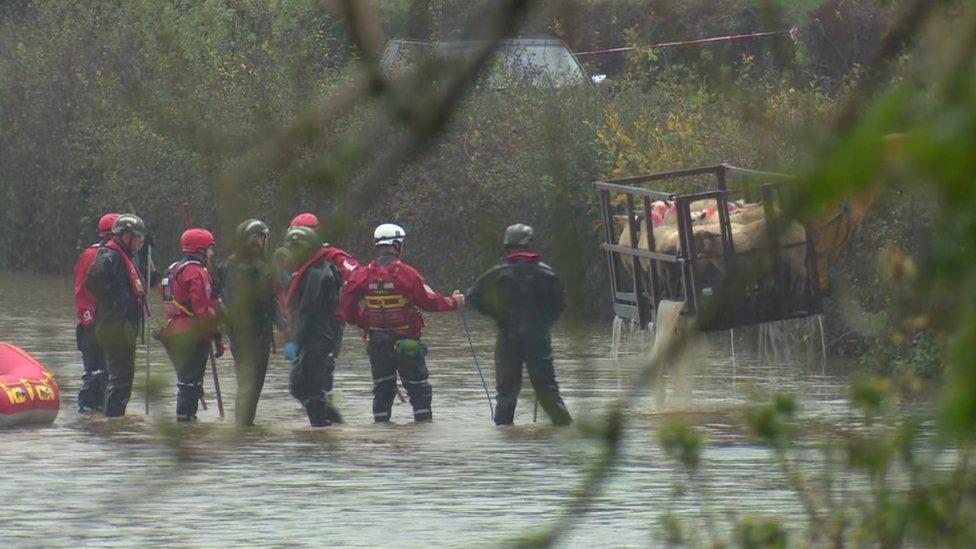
{"x":246,"y":282}
{"x":119,"y":290}
{"x":384,"y":299}
{"x":311,"y":300}
{"x":191,"y":311}
{"x":343,"y":261}
{"x":91,"y":397}
{"x":524,"y":297}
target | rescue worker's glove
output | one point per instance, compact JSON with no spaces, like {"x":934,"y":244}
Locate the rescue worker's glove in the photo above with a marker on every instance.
{"x":291,"y":350}
{"x":218,"y":345}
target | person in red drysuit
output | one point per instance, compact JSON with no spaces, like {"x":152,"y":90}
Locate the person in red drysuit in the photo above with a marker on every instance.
{"x":191,"y":311}
{"x":91,"y":397}
{"x":342,"y":260}
{"x":120,"y":302}
{"x":384,"y":299}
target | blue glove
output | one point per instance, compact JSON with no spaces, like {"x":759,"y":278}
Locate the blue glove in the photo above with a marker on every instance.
{"x":291,"y":350}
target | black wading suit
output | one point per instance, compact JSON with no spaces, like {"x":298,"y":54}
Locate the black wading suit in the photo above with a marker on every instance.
{"x":246,"y":286}
{"x":118,"y":318}
{"x":316,"y":330}
{"x":524,"y":298}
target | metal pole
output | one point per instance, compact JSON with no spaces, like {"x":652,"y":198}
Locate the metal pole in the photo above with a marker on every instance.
{"x":145,"y":325}
{"x":464,"y":322}
{"x":732,"y":344}
{"x":213,"y":368}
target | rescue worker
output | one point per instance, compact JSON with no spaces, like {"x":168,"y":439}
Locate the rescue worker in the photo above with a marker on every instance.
{"x":393,"y":295}
{"x":313,"y":329}
{"x":91,"y":398}
{"x":191,"y":311}
{"x":247,"y":292}
{"x":524,"y":297}
{"x":343,"y":261}
{"x":120,"y":298}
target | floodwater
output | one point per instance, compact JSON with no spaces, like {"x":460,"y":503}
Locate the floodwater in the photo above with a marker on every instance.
{"x":459,"y":481}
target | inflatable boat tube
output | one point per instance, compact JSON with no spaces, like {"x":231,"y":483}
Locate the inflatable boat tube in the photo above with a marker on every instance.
{"x":28,"y":392}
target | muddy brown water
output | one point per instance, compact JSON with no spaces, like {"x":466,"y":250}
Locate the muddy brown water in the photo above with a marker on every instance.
{"x":459,"y":481}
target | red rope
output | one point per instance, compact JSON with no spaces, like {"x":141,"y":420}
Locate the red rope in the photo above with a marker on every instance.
{"x":731,"y":38}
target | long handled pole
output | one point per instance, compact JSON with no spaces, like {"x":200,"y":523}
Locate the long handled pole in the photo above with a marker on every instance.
{"x":464,"y":321}
{"x":213,"y":369}
{"x":145,"y":325}
{"x":146,"y":336}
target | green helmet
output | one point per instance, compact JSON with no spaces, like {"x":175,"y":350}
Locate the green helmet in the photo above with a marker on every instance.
{"x":129,"y":222}
{"x":518,"y":234}
{"x":248,"y":231}
{"x":301,"y":237}
{"x":300,"y":243}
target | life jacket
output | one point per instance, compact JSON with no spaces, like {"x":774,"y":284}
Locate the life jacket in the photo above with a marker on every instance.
{"x":84,"y":299}
{"x":387,"y":308}
{"x":135,"y":278}
{"x":172,"y":306}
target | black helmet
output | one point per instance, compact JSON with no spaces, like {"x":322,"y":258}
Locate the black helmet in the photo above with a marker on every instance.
{"x":518,"y":234}
{"x":129,"y":222}
{"x":248,"y":231}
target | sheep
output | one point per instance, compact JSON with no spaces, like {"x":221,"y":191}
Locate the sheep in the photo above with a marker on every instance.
{"x":748,"y":231}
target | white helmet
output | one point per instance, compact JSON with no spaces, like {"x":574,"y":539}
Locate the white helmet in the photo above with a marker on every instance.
{"x":388,"y":233}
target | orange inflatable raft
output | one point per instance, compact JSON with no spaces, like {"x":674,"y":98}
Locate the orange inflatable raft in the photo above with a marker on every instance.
{"x":28,"y":392}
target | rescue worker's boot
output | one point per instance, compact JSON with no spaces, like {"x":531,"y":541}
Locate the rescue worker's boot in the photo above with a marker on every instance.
{"x":383,"y":365}
{"x":318,"y":415}
{"x":119,"y":345}
{"x":117,"y":393}
{"x":311,"y":373}
{"x":188,"y":399}
{"x":542,"y":374}
{"x":384,"y":391}
{"x":553,"y":405}
{"x":508,"y":379}
{"x":331,"y":410}
{"x":413,"y":372}
{"x":91,"y":397}
{"x":189,"y":357}
{"x":328,"y":379}
{"x":251,"y":365}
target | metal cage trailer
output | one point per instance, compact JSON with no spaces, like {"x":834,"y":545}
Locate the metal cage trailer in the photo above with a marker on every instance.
{"x":721,"y":286}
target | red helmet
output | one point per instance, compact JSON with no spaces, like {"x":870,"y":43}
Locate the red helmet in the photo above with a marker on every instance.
{"x":106,"y":222}
{"x":304,"y":220}
{"x":196,"y":240}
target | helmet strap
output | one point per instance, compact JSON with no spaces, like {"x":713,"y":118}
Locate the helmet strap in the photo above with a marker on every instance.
{"x":127,"y":244}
